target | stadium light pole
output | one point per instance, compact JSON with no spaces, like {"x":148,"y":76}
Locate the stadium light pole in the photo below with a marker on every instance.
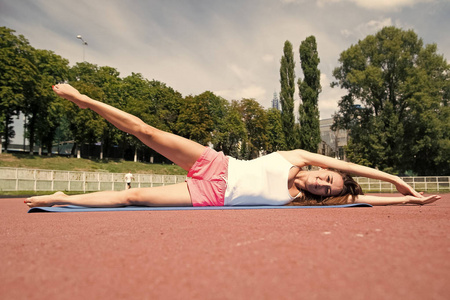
{"x":84,"y":43}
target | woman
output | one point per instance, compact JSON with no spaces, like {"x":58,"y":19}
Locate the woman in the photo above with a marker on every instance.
{"x":215,"y":179}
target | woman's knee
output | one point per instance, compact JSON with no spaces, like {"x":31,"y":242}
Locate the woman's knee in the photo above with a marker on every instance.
{"x":132,"y":196}
{"x":147,"y":132}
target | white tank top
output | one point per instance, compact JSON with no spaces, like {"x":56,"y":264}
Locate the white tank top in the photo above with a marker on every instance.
{"x":261,"y":181}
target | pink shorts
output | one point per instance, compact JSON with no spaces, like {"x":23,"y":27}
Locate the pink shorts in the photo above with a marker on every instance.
{"x":208,"y":180}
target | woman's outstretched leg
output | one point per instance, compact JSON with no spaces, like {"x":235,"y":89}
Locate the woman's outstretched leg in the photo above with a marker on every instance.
{"x":169,"y":195}
{"x":179,"y":150}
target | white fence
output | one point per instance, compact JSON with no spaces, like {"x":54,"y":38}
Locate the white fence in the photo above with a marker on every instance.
{"x":419,"y":183}
{"x":16,"y":179}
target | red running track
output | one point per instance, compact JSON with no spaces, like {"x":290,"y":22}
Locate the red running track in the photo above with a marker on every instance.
{"x":396,"y":252}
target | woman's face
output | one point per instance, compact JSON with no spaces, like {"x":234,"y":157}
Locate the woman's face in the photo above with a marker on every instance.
{"x":324,"y":183}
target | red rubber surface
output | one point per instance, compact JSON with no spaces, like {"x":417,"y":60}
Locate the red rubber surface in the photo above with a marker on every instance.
{"x":396,"y":252}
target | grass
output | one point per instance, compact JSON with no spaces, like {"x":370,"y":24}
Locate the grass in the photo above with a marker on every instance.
{"x":20,"y":160}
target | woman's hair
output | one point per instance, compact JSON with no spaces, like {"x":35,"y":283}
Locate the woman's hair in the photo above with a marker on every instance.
{"x":351,"y":188}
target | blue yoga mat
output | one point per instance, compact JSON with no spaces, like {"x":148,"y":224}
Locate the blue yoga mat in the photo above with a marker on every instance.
{"x":73,"y":208}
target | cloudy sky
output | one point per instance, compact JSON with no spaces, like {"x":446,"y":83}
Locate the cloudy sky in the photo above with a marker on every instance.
{"x":230,"y":47}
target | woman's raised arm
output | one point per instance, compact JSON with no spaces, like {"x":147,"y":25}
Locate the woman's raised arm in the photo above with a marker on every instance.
{"x":303,"y":158}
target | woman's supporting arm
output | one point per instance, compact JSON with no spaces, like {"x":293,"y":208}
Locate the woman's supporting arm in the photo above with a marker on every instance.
{"x":303,"y":158}
{"x":392,"y":200}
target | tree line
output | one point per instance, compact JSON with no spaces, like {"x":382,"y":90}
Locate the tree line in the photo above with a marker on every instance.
{"x":241,"y":128}
{"x":396,"y":106}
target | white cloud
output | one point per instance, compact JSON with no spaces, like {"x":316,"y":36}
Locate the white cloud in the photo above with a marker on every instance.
{"x":268,"y":58}
{"x":328,"y":99}
{"x":370,"y":27}
{"x":240,"y":72}
{"x":323,"y":3}
{"x":346,"y":33}
{"x":249,"y":92}
{"x":231,"y":47}
{"x":253,"y":91}
{"x":291,"y":1}
{"x":388,"y":4}
{"x":382,"y":5}
{"x":373,"y":26}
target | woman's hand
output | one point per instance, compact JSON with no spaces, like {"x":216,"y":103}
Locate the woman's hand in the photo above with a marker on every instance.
{"x":422,"y":199}
{"x":70,"y":93}
{"x":405,"y":189}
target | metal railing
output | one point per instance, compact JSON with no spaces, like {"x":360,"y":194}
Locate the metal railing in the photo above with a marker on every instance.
{"x":18,"y":179}
{"x":419,"y":183}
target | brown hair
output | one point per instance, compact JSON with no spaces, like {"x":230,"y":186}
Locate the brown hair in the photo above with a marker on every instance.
{"x":351,"y":188}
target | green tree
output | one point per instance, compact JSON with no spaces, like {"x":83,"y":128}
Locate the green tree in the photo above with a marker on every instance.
{"x":166,"y":104}
{"x":234,"y":132}
{"x":107,"y":79}
{"x":427,"y":124}
{"x":195,"y":121}
{"x":255,"y":120}
{"x":218,"y":110}
{"x":137,"y":95}
{"x":287,"y":81}
{"x":18,"y":75}
{"x":275,"y":134}
{"x":228,"y":127}
{"x":86,"y":126}
{"x":46,"y":110}
{"x":396,"y":107}
{"x":309,"y":89}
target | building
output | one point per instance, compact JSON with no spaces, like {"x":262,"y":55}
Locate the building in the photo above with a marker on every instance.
{"x":276,"y":101}
{"x":333,"y":142}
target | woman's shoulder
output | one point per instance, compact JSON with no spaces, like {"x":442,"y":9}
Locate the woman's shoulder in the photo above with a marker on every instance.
{"x":295,"y":157}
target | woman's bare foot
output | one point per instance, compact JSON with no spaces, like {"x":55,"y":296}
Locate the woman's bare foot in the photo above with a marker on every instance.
{"x":48,"y":200}
{"x":70,"y":93}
